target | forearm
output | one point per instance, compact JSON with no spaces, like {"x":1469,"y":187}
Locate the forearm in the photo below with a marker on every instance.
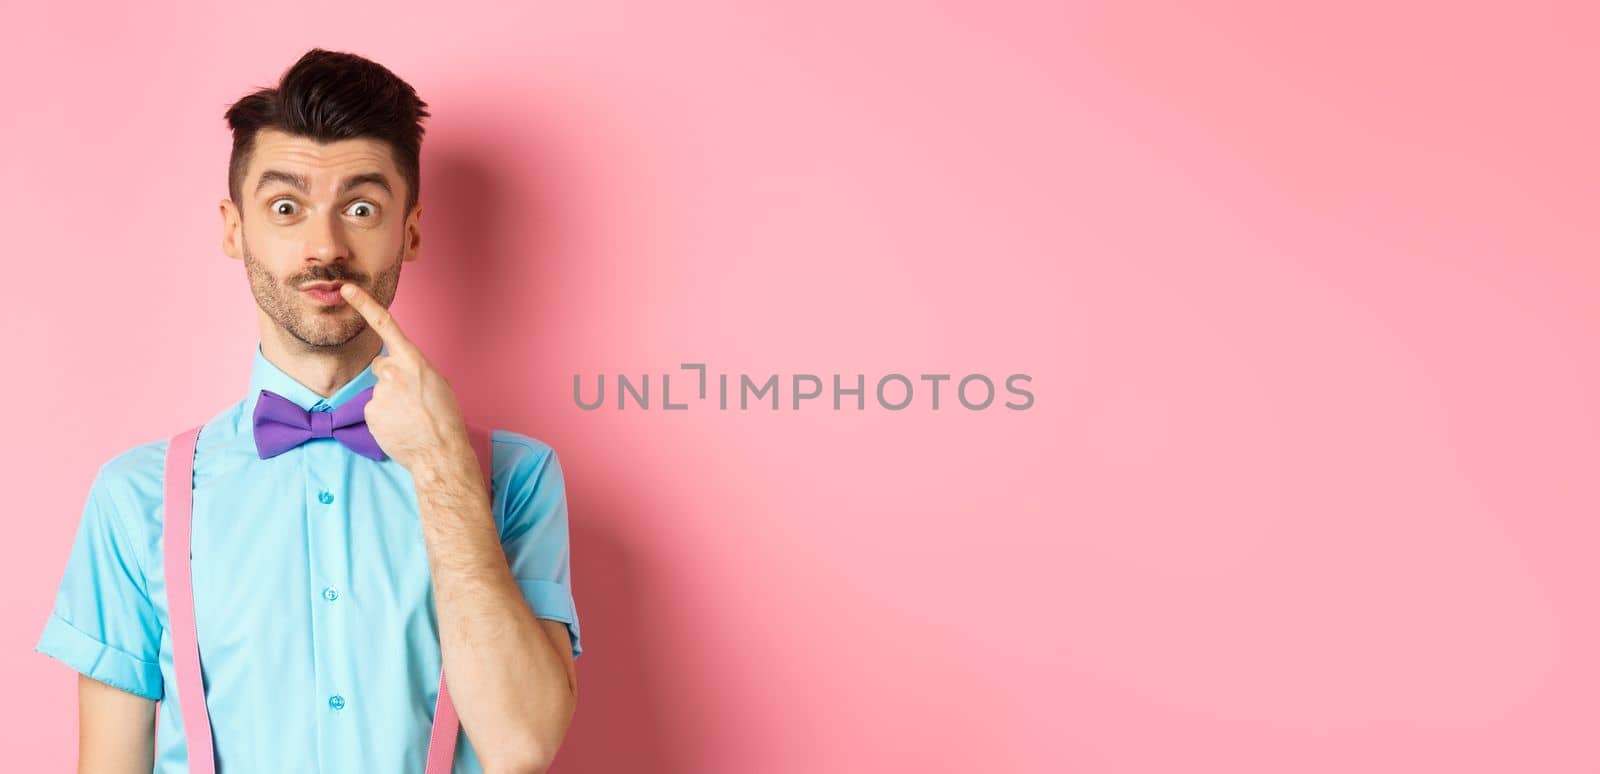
{"x":509,"y":686}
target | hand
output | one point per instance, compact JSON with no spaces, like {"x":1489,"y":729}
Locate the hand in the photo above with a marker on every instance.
{"x":413,"y":414}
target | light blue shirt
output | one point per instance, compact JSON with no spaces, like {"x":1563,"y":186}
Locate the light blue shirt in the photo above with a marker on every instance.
{"x":313,"y":594}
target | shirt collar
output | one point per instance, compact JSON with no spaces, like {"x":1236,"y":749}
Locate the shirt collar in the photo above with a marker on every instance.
{"x":265,"y":375}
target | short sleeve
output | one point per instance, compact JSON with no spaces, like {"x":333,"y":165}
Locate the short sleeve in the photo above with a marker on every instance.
{"x":533,"y":528}
{"x":104,"y":624}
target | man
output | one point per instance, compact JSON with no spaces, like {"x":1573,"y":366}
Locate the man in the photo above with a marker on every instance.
{"x":331,"y":582}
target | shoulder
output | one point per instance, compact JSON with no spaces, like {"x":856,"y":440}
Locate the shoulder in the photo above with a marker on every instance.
{"x":514,"y":447}
{"x":526,"y":469}
{"x":133,"y":480}
{"x":127,"y":492}
{"x":133,"y":474}
{"x":520,"y":459}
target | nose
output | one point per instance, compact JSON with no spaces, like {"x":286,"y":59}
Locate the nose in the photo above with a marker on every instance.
{"x":325,"y":238}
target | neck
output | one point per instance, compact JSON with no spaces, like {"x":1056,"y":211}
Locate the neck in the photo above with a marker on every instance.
{"x":322,"y":369}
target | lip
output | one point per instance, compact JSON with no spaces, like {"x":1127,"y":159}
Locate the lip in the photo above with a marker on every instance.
{"x":326,"y":293}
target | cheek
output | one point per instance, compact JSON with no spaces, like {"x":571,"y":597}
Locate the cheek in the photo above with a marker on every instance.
{"x":273,"y":248}
{"x":377,"y":243}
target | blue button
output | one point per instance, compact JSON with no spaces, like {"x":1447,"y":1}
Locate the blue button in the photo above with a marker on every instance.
{"x":325,"y":496}
{"x":336,"y":701}
{"x":330,"y":594}
{"x":320,"y":405}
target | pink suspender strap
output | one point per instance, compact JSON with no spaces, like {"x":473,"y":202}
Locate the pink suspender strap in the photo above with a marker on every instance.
{"x":178,"y":486}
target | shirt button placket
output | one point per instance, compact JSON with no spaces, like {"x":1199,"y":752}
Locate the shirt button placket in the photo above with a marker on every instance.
{"x":327,"y":523}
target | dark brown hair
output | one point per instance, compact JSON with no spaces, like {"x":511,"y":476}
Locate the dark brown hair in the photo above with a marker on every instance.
{"x":327,"y":96}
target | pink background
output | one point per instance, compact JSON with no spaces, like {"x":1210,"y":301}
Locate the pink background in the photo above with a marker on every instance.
{"x":1308,"y":298}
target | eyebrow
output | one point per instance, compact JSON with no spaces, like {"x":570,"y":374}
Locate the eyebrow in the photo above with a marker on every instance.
{"x":298,"y":181}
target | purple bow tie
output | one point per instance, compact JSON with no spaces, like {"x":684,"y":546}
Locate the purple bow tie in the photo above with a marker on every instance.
{"x":281,"y":425}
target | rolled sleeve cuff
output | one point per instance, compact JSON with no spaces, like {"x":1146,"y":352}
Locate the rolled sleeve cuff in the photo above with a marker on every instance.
{"x":65,"y":643}
{"x":553,"y":600}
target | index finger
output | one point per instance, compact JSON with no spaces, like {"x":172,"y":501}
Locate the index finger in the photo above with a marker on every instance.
{"x":378,"y":317}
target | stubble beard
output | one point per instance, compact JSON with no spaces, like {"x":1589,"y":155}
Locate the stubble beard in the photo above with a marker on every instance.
{"x":313,"y":324}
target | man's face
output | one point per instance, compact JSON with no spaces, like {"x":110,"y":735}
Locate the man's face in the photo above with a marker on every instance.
{"x":312,"y":216}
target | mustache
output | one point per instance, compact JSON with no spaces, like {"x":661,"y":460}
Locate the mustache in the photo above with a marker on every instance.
{"x":328,"y":274}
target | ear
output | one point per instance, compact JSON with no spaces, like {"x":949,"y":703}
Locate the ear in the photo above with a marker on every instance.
{"x":231,"y":228}
{"x":413,"y":234}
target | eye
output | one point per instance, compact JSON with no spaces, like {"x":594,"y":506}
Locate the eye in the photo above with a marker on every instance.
{"x":362,"y":209}
{"x":283,"y":207}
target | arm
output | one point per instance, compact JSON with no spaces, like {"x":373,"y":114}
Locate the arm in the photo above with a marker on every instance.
{"x":511,"y":675}
{"x":116,"y":730}
{"x":104,"y":624}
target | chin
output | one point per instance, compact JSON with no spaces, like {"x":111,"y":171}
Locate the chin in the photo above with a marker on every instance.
{"x":319,"y":335}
